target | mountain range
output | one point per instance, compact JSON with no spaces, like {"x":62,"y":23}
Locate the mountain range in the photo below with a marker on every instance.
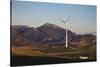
{"x":46,"y":34}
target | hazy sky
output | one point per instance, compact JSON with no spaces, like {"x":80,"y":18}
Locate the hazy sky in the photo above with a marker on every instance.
{"x":35,"y":14}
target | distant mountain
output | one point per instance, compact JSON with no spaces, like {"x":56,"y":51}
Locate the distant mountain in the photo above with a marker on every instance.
{"x":54,"y":34}
{"x":27,"y":34}
{"x":46,"y":34}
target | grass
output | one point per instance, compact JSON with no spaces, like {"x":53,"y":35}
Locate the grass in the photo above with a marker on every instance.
{"x":55,"y":52}
{"x":29,"y":55}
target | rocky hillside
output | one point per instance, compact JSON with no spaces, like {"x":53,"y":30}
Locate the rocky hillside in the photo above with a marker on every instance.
{"x":47,"y":34}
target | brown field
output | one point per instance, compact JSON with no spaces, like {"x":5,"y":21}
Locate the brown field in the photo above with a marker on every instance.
{"x":55,"y":52}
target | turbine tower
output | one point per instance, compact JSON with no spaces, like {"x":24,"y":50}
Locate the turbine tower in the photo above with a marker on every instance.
{"x":66,"y":22}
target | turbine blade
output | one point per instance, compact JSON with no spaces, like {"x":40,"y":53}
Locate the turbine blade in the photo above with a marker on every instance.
{"x":68,"y":19}
{"x":63,"y":21}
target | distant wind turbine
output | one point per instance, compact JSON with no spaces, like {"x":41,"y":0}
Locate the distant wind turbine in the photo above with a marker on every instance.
{"x":66,"y":22}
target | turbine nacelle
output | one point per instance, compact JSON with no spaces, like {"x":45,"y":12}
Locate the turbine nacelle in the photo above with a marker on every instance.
{"x":65,"y":21}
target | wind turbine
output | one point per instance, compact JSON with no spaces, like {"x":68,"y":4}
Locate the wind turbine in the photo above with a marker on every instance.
{"x":66,"y":22}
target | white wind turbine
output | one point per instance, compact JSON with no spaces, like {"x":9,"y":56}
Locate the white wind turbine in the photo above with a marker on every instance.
{"x":66,"y":22}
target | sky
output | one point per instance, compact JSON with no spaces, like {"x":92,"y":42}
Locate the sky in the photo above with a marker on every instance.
{"x":35,"y":14}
